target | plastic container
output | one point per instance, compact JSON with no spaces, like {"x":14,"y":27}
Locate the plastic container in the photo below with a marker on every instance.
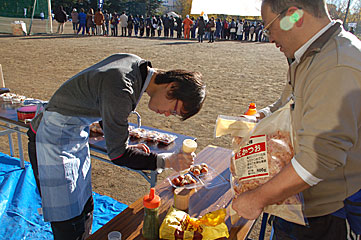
{"x":151,"y":204}
{"x":115,"y":235}
{"x":210,"y":180}
{"x":189,"y":146}
{"x":26,"y":112}
{"x":251,"y":109}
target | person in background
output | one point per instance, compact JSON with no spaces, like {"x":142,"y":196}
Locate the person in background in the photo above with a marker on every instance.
{"x":109,"y":91}
{"x":136,"y":25}
{"x":159,"y":26}
{"x":82,"y":21}
{"x":193,"y":28}
{"x":90,"y":22}
{"x":115,"y":22}
{"x":251,"y":32}
{"x":171,"y":26}
{"x":99,"y":22}
{"x":42,"y":16}
{"x":233,"y":29}
{"x":246,"y":28}
{"x":166,"y":25}
{"x":179,"y":27}
{"x":224,"y":29}
{"x":260,"y":33}
{"x":218,"y":29}
{"x":187,"y":23}
{"x":154,"y":26}
{"x":74,"y":20}
{"x":212,"y":29}
{"x":61,"y":17}
{"x":148,"y":26}
{"x":351,"y":30}
{"x":130,"y":25}
{"x":324,"y":81}
{"x":124,"y":23}
{"x":240,"y":30}
{"x":201,"y":25}
{"x":106,"y":23}
{"x":141,"y":25}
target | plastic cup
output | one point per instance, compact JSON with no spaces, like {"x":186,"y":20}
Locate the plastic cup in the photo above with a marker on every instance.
{"x":115,"y":235}
{"x":189,"y":146}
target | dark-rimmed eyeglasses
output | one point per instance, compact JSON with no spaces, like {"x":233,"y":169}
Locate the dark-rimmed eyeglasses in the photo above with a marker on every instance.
{"x":266,"y":30}
{"x":174,"y":112}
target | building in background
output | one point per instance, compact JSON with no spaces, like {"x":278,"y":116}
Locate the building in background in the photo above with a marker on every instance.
{"x":170,"y":5}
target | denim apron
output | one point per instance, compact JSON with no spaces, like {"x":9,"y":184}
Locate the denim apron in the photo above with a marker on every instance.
{"x":64,"y":164}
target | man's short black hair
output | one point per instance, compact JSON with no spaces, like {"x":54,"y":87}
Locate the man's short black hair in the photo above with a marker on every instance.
{"x":188,"y":88}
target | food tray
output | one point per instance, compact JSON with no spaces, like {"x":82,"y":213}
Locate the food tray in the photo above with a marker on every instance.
{"x":209,"y":180}
{"x":151,"y":135}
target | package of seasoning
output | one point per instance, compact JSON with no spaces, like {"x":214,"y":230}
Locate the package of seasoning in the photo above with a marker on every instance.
{"x":179,"y":225}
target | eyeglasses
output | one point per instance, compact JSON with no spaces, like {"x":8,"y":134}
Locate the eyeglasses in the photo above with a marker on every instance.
{"x":174,"y":112}
{"x":266,"y":30}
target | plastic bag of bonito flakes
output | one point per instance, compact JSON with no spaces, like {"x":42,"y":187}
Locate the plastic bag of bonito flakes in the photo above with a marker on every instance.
{"x":260,"y":155}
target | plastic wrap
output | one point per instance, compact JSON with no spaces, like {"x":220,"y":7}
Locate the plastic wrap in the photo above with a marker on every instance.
{"x":260,"y":155}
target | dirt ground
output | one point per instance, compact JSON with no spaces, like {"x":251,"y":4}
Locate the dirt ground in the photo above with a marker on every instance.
{"x":236,"y":73}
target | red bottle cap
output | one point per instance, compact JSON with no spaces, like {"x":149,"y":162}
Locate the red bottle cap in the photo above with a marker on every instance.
{"x":152,"y":200}
{"x":251,"y":109}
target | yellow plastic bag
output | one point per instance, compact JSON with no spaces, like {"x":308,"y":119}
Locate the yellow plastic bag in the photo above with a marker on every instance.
{"x":179,"y":225}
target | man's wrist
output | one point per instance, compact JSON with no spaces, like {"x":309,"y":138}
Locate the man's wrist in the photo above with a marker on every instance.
{"x":163,"y":160}
{"x":160,"y":162}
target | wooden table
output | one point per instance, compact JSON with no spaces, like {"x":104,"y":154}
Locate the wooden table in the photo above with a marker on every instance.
{"x":205,"y":199}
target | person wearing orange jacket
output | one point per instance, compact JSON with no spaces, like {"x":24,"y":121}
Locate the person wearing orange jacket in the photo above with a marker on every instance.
{"x":187,"y":23}
{"x":99,"y":21}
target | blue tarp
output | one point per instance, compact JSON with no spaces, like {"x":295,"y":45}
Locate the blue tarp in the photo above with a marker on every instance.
{"x":20,"y":201}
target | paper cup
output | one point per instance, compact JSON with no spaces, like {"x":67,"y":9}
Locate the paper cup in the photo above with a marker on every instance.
{"x":181,"y":198}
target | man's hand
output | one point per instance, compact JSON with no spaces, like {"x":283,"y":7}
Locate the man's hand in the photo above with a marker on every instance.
{"x":143,"y":147}
{"x":180,"y":161}
{"x":247,"y":206}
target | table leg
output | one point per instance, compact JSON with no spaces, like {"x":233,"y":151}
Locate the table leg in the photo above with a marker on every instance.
{"x":11,"y":145}
{"x":153,"y":178}
{"x":20,"y":145}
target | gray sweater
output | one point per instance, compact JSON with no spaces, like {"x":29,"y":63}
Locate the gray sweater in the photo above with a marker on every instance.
{"x":109,"y":90}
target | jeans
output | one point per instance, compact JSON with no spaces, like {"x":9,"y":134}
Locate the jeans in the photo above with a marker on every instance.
{"x":211,"y":36}
{"x":200,"y":37}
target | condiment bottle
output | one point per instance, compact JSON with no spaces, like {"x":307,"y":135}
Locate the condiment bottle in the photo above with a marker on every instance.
{"x":251,"y":109}
{"x":151,"y":204}
{"x":189,"y":146}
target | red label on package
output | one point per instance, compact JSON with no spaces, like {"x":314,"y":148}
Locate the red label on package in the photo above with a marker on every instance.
{"x":251,"y":160}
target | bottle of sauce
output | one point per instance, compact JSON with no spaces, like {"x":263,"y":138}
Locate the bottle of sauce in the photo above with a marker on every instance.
{"x":251,"y":109}
{"x":151,"y":204}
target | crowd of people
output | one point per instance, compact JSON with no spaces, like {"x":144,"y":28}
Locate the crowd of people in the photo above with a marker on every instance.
{"x":104,"y":23}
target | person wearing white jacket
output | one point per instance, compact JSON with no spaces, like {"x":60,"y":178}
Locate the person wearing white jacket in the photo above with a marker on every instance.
{"x":240,"y":30}
{"x":124,"y":23}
